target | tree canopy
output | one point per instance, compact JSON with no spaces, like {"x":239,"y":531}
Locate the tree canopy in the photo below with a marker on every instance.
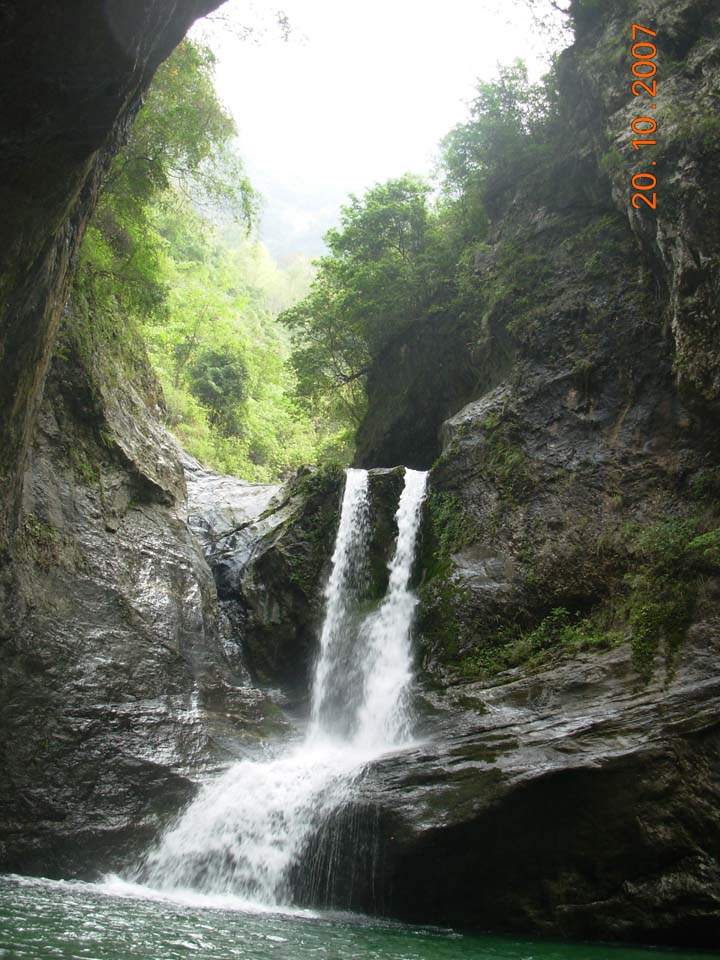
{"x":401,"y":249}
{"x":157,"y":274}
{"x":370,"y":285}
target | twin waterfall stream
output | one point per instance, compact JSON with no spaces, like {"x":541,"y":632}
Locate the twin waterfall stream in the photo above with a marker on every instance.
{"x":246,"y":830}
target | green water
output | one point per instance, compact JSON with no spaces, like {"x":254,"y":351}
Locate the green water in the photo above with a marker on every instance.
{"x":42,"y":919}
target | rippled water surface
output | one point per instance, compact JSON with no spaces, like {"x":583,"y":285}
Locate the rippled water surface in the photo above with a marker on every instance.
{"x":41,"y":919}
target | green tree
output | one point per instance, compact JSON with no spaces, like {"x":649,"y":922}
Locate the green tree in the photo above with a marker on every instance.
{"x":369,"y":287}
{"x":223,"y":359}
{"x":155,"y":275}
{"x":398,"y":256}
{"x":508,"y":123}
{"x":183,"y":137}
{"x":182,"y":141}
{"x":218,"y":379}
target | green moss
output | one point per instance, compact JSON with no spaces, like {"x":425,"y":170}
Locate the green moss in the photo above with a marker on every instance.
{"x":96,"y":335}
{"x":654,"y":600}
{"x":560,"y":631}
{"x":504,"y":461}
{"x":705,"y":548}
{"x":705,"y":484}
{"x":311,"y":533}
{"x":41,"y":540}
{"x":696,"y":132}
{"x":273,"y":720}
{"x":664,"y":544}
{"x":85,"y":468}
{"x":451,"y":528}
{"x":659,"y":615}
{"x":670,"y":557}
{"x":319,"y":483}
{"x":612,"y":162}
{"x":448,"y":528}
{"x":438,"y":624}
{"x":637,"y":583}
{"x":516,"y":272}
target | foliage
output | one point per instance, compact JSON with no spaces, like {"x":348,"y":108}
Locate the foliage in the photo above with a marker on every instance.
{"x":370,"y":285}
{"x":218,"y":379}
{"x":507,"y":126}
{"x":181,"y":141}
{"x":401,"y":254}
{"x":705,"y":484}
{"x":183,"y":137}
{"x":654,"y":605}
{"x":704,"y":550}
{"x":554,"y":18}
{"x":154,"y":273}
{"x":223,"y":361}
{"x":670,"y":559}
{"x":559,"y":632}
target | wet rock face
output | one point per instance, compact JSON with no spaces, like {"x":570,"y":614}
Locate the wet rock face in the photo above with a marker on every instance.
{"x":119,"y":691}
{"x":679,"y":238}
{"x":270,"y":574}
{"x":71,"y":82}
{"x":271,"y":571}
{"x":570,"y":803}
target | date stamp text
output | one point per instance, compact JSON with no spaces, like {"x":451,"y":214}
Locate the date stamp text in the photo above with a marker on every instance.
{"x":644,"y":85}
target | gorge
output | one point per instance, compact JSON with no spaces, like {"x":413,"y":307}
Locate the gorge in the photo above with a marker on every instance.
{"x":478,"y":690}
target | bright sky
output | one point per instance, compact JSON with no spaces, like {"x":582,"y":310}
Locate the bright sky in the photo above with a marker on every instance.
{"x":361,"y":91}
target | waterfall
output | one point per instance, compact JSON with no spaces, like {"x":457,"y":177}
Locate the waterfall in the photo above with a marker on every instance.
{"x":338,"y":682}
{"x":247,"y":829}
{"x":384,"y":716}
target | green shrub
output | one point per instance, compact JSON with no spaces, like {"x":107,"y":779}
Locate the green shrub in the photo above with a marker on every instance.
{"x":671,"y":557}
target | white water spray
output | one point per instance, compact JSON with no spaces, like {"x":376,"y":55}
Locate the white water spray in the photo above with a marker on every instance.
{"x":337,"y":684}
{"x":246,"y":830}
{"x":384,"y":718}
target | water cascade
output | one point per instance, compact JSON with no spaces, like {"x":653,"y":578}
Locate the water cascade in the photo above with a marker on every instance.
{"x":246,"y":830}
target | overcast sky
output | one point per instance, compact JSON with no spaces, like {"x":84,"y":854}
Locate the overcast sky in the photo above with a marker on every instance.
{"x":361,"y":91}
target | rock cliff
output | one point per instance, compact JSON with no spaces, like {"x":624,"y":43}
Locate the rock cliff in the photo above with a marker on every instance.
{"x":72,"y":79}
{"x":111,"y":640}
{"x":122,"y":684}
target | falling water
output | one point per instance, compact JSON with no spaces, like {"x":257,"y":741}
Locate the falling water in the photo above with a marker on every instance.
{"x":337,"y":687}
{"x":246,"y":830}
{"x":384,"y":717}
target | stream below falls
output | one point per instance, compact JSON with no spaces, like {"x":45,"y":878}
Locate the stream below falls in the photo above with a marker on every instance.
{"x":46,"y":920}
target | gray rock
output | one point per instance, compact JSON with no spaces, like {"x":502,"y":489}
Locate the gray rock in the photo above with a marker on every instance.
{"x":119,"y":691}
{"x":271,"y":573}
{"x":571,"y":803}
